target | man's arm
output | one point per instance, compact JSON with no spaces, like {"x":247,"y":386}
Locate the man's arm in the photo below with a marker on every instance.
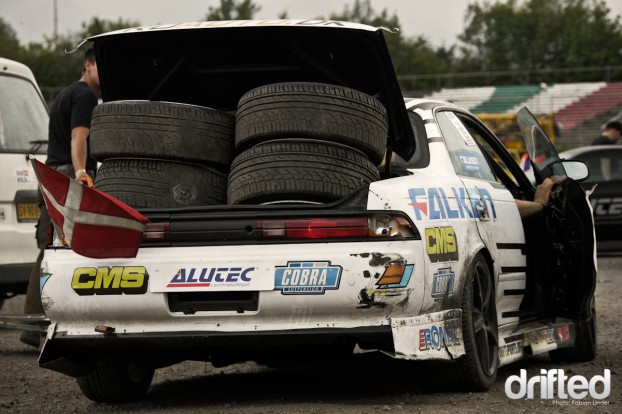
{"x":79,"y":150}
{"x":540,"y":200}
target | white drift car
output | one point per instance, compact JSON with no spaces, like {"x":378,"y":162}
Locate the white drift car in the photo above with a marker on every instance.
{"x":298,"y":203}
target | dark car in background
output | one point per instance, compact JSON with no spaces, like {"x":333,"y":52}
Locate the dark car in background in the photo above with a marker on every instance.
{"x":605,"y":164}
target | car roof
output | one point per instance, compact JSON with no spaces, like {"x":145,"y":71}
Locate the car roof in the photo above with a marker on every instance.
{"x":213,"y":64}
{"x":11,"y":67}
{"x":577,"y":152}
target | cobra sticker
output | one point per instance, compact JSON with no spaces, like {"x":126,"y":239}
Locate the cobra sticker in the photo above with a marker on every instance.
{"x":435,"y":203}
{"x":441,"y":244}
{"x":115,"y":280}
{"x":306,"y":278}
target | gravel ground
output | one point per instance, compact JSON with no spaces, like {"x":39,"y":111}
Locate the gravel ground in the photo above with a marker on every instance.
{"x":371,"y":383}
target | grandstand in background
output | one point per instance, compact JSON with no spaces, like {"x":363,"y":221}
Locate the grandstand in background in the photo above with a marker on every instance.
{"x":579,"y":109}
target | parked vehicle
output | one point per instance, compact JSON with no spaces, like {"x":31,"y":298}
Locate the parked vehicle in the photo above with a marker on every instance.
{"x":23,"y":131}
{"x":605,"y":164}
{"x":299,"y":207}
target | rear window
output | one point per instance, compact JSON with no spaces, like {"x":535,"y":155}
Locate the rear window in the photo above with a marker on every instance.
{"x":23,"y":117}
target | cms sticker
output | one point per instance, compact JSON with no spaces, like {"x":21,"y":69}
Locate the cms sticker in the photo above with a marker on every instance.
{"x":115,"y":280}
{"x":441,"y":244}
{"x":306,"y":278}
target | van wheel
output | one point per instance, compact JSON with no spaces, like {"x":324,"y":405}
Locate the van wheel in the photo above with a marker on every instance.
{"x":144,"y":183}
{"x":303,"y":171}
{"x":476,"y":370}
{"x":114,"y":380}
{"x":176,"y":131}
{"x":312,"y":110}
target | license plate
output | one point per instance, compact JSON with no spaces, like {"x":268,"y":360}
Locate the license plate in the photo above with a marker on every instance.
{"x":27,"y":212}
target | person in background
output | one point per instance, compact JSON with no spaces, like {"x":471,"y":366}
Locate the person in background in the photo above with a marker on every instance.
{"x":610,"y":135}
{"x":70,"y":123}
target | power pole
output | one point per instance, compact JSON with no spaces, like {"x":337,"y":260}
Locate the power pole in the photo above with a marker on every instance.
{"x":55,"y":20}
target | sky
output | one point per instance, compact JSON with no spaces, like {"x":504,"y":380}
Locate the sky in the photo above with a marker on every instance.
{"x":439,"y":21}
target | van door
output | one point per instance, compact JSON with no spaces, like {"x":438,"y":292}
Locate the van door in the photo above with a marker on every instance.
{"x":23,"y":131}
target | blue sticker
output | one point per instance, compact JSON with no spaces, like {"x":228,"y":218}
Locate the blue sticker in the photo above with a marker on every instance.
{"x":469,"y":161}
{"x":306,"y":278}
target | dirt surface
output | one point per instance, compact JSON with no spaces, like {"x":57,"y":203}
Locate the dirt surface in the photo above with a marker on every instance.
{"x":370,"y":383}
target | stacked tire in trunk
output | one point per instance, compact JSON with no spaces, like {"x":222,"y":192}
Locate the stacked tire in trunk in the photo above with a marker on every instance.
{"x":289,"y":142}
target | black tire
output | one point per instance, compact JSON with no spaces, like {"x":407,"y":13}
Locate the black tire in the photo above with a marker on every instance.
{"x":312,"y":110}
{"x":298,"y":171}
{"x":144,"y":183}
{"x":145,"y":129}
{"x":586,"y":341}
{"x":477,"y":369}
{"x":114,"y":380}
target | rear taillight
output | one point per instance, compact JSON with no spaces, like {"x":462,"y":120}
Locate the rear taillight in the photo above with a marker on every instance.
{"x":376,"y":226}
{"x":157,"y":232}
{"x":334,"y":227}
{"x":313,"y":228}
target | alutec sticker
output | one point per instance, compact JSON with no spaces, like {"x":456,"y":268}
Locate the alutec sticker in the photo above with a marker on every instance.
{"x":206,"y":277}
{"x":306,"y":278}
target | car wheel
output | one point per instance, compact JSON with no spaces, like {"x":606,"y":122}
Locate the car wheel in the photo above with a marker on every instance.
{"x":114,"y":380}
{"x":477,"y":369}
{"x":144,"y":183}
{"x":312,"y":110}
{"x":145,"y":129}
{"x":586,"y":343}
{"x":303,"y":171}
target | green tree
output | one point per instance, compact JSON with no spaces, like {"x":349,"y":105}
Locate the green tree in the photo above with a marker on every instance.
{"x":539,"y":35}
{"x":409,"y":55}
{"x":9,"y":44}
{"x":233,"y":10}
{"x":50,"y":61}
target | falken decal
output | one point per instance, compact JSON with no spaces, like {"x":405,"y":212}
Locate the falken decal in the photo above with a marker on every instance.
{"x":441,"y":244}
{"x":469,"y":161}
{"x":212,"y":276}
{"x":306,"y":278}
{"x":115,"y":280}
{"x":442,"y":283}
{"x":434,"y":203}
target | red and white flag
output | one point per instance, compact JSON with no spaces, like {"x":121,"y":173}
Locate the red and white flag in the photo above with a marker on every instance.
{"x":94,"y":224}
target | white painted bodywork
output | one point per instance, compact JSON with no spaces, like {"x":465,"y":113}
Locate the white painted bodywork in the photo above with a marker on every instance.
{"x":435,"y":198}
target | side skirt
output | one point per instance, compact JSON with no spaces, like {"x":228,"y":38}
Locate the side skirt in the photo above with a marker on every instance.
{"x":533,"y":339}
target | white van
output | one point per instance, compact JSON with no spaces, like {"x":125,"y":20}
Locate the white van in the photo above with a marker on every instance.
{"x":23,"y":130}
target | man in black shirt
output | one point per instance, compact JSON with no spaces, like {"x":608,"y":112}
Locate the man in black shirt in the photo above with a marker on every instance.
{"x":70,"y":123}
{"x":610,"y":135}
